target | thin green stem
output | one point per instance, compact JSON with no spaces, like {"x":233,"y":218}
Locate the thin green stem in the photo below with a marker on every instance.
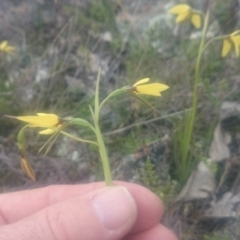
{"x":51,"y":143}
{"x":144,"y":101}
{"x":104,"y":156}
{"x":53,"y":137}
{"x":102,"y":152}
{"x":192,"y":114}
{"x":112,"y":94}
{"x":82,"y":122}
{"x":100,"y":141}
{"x":214,"y":39}
{"x":96,"y":103}
{"x":78,"y":139}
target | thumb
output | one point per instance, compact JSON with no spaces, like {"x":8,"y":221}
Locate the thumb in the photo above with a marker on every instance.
{"x":108,"y":213}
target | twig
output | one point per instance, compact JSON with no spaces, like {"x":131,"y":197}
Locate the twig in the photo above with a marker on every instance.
{"x":56,"y":38}
{"x":145,"y":122}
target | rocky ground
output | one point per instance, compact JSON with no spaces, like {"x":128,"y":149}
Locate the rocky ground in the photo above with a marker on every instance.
{"x":59,"y":46}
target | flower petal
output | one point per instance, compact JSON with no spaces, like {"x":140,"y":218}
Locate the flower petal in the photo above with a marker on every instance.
{"x":141,"y":81}
{"x":236,"y":43}
{"x":47,"y":121}
{"x":196,"y":20}
{"x":3,"y":45}
{"x":47,"y":114}
{"x":153,"y":89}
{"x":47,"y":131}
{"x":180,"y":8}
{"x":226,"y":47}
{"x":9,"y":49}
{"x":182,"y":17}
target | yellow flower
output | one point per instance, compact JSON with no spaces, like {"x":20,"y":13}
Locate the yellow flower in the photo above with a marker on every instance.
{"x":48,"y":131}
{"x":153,"y":89}
{"x":232,"y":40}
{"x":185,"y":12}
{"x":42,"y":120}
{"x":5,"y":47}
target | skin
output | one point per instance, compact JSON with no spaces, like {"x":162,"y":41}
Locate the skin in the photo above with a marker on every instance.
{"x":83,"y":212}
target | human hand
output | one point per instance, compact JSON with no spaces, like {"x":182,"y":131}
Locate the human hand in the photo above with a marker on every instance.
{"x":83,"y":212}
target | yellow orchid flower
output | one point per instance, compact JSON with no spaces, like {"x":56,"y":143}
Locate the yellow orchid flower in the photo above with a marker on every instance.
{"x":185,"y":12}
{"x":232,"y":40}
{"x":49,"y":130}
{"x":42,"y":120}
{"x":5,"y":47}
{"x":153,"y":89}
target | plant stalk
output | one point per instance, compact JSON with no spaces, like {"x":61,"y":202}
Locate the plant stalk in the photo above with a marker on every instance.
{"x":192,"y":114}
{"x":100,"y":141}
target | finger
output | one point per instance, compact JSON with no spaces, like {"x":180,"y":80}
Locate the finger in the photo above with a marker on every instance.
{"x":159,"y":232}
{"x":108,"y":213}
{"x":18,"y":205}
{"x":150,"y":208}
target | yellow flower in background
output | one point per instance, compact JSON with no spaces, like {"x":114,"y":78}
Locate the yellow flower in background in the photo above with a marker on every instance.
{"x":232,"y":40}
{"x":153,"y":89}
{"x":5,"y":47}
{"x":185,"y":12}
{"x":42,"y":120}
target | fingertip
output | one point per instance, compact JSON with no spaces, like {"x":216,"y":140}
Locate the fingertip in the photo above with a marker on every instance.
{"x":150,"y":207}
{"x":115,"y":207}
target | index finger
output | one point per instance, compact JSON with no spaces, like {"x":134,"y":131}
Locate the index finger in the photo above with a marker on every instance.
{"x":18,"y":205}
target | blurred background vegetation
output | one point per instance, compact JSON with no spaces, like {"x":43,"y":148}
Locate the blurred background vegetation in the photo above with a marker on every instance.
{"x":59,"y":47}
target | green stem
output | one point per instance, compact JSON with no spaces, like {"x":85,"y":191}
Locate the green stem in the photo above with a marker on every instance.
{"x":78,"y":139}
{"x":192,"y":114}
{"x":104,"y":156}
{"x":96,"y":102}
{"x":112,"y":94}
{"x":53,"y":138}
{"x":214,"y":39}
{"x":100,"y":141}
{"x":82,"y":122}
